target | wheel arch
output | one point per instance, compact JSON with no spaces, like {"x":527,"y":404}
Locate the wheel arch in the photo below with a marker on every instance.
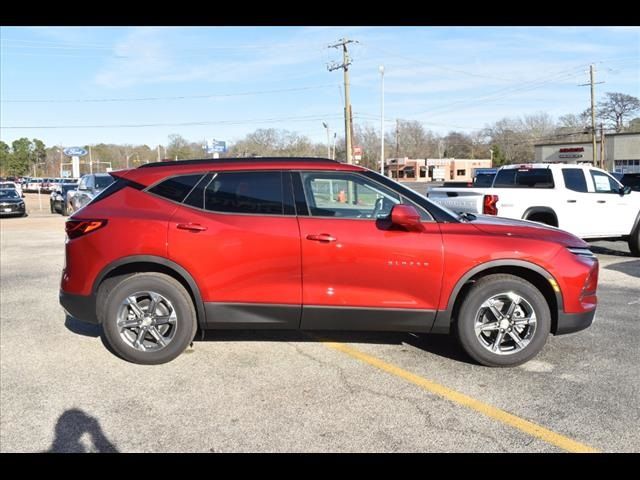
{"x":543,"y":210}
{"x":531,"y":272}
{"x":152,"y":263}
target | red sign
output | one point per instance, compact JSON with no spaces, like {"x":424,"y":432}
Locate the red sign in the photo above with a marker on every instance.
{"x":571,"y":150}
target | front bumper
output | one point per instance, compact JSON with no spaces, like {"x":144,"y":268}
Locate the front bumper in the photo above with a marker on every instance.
{"x":80,"y":307}
{"x":574,"y":322}
{"x":13,"y":210}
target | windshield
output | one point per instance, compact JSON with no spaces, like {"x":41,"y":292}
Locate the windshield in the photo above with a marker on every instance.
{"x":8,"y":194}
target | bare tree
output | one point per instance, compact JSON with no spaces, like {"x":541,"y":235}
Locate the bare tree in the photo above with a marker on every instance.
{"x":616,"y":107}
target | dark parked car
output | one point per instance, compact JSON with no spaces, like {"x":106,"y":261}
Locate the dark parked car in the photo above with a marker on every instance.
{"x":11,"y":203}
{"x":629,"y":180}
{"x":58,"y":199}
{"x":88,"y":187}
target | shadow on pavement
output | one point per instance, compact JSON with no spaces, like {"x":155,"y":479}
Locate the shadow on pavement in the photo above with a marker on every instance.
{"x":608,"y":251}
{"x":441,"y":345}
{"x":631,"y":268}
{"x":81,"y":328}
{"x":72,"y":425}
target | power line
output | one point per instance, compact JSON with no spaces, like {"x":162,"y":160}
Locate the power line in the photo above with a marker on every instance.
{"x":440,"y":67}
{"x":177,"y":97}
{"x":503,"y":92}
{"x":305,"y":118}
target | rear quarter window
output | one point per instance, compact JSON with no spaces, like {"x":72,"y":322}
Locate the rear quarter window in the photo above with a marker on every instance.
{"x":176,"y":188}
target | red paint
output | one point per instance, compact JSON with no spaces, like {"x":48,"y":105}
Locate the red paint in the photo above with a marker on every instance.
{"x":313,"y":260}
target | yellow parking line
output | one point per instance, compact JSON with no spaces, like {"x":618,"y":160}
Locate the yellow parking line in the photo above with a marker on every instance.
{"x":525,"y":426}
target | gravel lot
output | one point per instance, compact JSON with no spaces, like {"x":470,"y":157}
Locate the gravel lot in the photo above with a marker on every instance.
{"x":252,"y":391}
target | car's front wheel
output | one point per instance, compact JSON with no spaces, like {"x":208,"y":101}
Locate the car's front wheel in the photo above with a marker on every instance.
{"x":504,"y":321}
{"x":147,"y":318}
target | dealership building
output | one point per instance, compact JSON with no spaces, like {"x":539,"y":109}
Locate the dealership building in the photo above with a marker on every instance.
{"x":438,"y":169}
{"x":621,"y":152}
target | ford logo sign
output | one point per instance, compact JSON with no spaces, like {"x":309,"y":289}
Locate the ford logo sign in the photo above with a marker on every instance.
{"x":75,"y":152}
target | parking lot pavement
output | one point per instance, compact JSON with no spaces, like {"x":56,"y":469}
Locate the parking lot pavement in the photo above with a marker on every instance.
{"x":62,"y":390}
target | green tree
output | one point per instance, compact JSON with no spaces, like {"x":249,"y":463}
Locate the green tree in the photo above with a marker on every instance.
{"x":5,"y":157}
{"x":22,"y":156}
{"x":179,"y":147}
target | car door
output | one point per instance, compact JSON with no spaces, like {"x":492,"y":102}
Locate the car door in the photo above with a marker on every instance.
{"x":359,"y":272}
{"x":84,"y":194}
{"x":237,"y":235}
{"x":613,"y":213}
{"x":574,"y":212}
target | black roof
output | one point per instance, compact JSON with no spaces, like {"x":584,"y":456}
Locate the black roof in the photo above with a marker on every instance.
{"x":257,"y":160}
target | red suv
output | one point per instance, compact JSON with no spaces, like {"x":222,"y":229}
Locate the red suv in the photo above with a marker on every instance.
{"x":173,"y":247}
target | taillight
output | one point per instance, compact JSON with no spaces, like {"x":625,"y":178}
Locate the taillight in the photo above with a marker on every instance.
{"x":77,"y":228}
{"x":489,"y":205}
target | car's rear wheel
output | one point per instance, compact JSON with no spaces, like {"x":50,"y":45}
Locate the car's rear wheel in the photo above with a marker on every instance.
{"x":634,"y":242}
{"x":504,"y":321}
{"x":147,"y":318}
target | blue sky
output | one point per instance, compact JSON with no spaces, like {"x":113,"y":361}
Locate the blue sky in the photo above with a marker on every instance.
{"x":233,"y":80}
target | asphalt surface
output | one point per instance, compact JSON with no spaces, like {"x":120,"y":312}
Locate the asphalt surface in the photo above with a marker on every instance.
{"x":252,"y":391}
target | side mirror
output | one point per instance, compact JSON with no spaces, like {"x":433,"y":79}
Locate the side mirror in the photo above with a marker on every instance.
{"x":407,"y":217}
{"x":625,"y":190}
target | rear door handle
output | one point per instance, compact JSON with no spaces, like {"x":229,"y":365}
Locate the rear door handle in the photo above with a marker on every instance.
{"x":323,"y":237}
{"x":571,"y":201}
{"x":192,"y":227}
{"x":602,"y":201}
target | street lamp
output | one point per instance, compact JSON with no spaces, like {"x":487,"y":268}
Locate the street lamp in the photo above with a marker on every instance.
{"x":326,"y":126}
{"x":381,"y":68}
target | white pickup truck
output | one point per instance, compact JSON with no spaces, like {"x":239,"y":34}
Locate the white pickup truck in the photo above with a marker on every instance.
{"x":578,"y":198}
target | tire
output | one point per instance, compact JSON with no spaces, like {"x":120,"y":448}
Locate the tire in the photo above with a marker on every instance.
{"x":69,"y":208}
{"x":634,"y":242}
{"x":130,"y":341}
{"x":53,"y":210}
{"x":63,"y":209}
{"x":501,"y":290}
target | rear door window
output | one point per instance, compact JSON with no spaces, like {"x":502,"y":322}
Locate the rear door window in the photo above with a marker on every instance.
{"x":574,"y":179}
{"x":258,"y":193}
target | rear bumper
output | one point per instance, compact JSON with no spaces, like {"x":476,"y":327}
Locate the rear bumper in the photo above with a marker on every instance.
{"x":574,"y":322}
{"x":79,"y":307}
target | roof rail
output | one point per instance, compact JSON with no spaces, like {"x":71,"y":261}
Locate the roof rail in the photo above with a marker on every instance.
{"x":218,"y":161}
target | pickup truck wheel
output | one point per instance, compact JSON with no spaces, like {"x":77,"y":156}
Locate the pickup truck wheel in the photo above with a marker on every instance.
{"x":147,"y":318}
{"x":504,"y":321}
{"x":634,"y":242}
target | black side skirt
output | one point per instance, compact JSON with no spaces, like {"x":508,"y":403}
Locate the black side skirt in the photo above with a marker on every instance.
{"x":292,"y":317}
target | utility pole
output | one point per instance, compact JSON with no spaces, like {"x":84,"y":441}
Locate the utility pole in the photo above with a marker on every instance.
{"x":593,"y":111}
{"x":346,"y":61}
{"x":602,"y":159}
{"x":326,"y":126}
{"x":381,"y":68}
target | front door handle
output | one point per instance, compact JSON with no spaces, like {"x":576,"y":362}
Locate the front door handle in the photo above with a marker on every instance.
{"x":571,"y":201}
{"x":192,"y":227}
{"x":323,"y":237}
{"x":602,"y":201}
